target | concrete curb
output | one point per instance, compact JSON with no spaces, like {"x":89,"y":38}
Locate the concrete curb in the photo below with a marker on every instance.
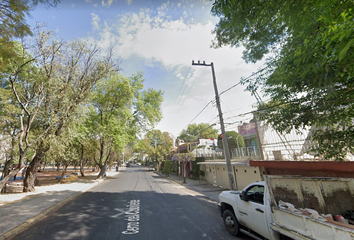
{"x":46,"y":212}
{"x":38,"y":217}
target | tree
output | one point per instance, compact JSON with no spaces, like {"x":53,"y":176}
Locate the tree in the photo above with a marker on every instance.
{"x":234,"y":140}
{"x":121,"y":110}
{"x":12,"y":17}
{"x":158,"y":145}
{"x":309,"y":69}
{"x":109,"y":118}
{"x":183,"y":159}
{"x":198,"y":131}
{"x":167,"y":167}
{"x":49,"y":83}
{"x":13,"y":24}
{"x":9,"y":112}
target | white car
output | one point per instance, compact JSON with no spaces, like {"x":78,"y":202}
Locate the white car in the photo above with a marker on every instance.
{"x":151,"y":168}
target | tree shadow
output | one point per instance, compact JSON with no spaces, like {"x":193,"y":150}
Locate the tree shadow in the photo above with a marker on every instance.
{"x":127,"y":215}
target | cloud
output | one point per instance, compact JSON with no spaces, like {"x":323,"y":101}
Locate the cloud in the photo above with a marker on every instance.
{"x":109,"y":3}
{"x":172,"y":43}
{"x":129,"y":2}
{"x":95,"y":21}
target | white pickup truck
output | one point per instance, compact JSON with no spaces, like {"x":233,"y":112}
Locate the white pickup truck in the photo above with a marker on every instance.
{"x":248,"y":211}
{"x":255,"y":211}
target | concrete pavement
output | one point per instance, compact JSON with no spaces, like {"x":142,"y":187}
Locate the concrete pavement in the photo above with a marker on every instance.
{"x":24,"y":209}
{"x":209,"y":191}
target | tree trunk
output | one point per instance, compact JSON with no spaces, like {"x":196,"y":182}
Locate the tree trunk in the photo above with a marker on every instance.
{"x":102,"y":172}
{"x":7,"y":178}
{"x":29,"y":181}
{"x":63,"y":173}
{"x":82,"y":166}
{"x":184,"y":172}
{"x":12,"y":173}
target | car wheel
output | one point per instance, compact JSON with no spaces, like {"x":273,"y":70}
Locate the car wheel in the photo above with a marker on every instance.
{"x":231,"y":223}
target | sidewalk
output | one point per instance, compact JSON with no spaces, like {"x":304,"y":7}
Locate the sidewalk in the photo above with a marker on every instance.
{"x":201,"y":186}
{"x":18,"y":211}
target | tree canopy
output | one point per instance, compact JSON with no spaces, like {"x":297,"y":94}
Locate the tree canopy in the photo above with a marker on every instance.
{"x":157,"y":144}
{"x":198,"y":131}
{"x":49,"y":82}
{"x":234,"y":140}
{"x":13,"y":24}
{"x":121,"y":110}
{"x":308,"y":46}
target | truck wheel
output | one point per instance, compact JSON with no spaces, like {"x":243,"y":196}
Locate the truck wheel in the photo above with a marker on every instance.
{"x":231,"y":222}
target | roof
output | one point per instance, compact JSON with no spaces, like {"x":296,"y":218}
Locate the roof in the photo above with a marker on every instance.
{"x":224,"y":163}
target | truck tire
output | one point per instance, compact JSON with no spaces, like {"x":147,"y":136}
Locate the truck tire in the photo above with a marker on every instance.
{"x":230,"y":222}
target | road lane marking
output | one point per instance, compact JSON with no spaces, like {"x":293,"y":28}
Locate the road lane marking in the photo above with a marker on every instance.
{"x":133,"y":217}
{"x":122,"y":211}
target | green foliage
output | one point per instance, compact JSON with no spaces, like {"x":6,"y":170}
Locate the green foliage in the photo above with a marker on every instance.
{"x":157,"y":145}
{"x":185,"y":157}
{"x":12,"y":17}
{"x":167,"y":167}
{"x":309,"y":73}
{"x":121,"y":110}
{"x":198,"y":131}
{"x":13,"y":25}
{"x":201,"y":173}
{"x":234,"y":139}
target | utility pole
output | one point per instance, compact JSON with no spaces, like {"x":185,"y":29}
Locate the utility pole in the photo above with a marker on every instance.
{"x":224,"y":137}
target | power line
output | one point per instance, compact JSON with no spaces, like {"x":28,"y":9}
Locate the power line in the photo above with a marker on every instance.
{"x":184,"y":99}
{"x":259,"y":71}
{"x":199,"y":113}
{"x":230,"y":88}
{"x":185,"y":77}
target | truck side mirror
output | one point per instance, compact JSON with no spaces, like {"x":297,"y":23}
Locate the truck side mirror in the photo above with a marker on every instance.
{"x":244,"y":196}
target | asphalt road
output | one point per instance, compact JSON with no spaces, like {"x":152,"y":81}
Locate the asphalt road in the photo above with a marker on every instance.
{"x":135,"y":204}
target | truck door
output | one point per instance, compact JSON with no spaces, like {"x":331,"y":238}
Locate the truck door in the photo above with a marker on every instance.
{"x":252,"y":213}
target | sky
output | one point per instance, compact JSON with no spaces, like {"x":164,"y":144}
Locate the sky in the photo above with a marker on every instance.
{"x":161,"y":38}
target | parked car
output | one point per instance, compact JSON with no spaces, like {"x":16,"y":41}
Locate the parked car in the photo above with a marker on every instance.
{"x":151,"y":168}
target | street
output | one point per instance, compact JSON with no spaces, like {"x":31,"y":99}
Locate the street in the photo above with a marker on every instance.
{"x":135,"y":204}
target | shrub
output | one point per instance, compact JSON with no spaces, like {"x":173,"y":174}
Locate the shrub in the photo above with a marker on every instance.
{"x":201,"y":173}
{"x":167,"y":167}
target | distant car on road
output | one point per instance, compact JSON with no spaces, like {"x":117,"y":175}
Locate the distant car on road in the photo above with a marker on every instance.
{"x":128,"y":165}
{"x":151,"y":168}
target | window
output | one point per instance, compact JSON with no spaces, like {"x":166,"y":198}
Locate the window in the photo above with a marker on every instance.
{"x":256,"y":194}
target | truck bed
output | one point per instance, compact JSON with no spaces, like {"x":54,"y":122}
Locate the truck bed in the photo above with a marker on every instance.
{"x":299,"y":226}
{"x":326,"y":195}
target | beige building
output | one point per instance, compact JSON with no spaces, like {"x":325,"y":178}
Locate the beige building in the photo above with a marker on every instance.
{"x":216,"y":173}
